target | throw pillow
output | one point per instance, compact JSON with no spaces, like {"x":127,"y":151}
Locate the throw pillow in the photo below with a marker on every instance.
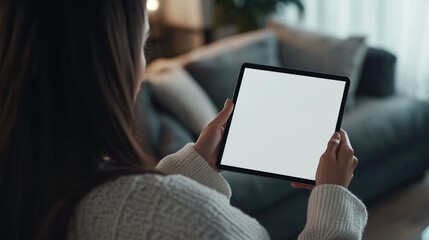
{"x":147,"y":119}
{"x":217,"y":66}
{"x":316,"y":52}
{"x":175,"y":90}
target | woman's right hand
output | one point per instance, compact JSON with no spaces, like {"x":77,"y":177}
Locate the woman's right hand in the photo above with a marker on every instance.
{"x":336,"y":164}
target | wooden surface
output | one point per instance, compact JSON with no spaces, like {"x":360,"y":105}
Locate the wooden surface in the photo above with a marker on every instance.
{"x":400,"y":215}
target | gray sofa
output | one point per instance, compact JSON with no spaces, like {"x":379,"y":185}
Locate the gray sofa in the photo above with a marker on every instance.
{"x":389,"y":132}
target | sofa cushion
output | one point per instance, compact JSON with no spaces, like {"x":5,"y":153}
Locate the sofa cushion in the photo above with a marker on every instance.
{"x":172,"y":137}
{"x":378,"y":74}
{"x":254,"y":194}
{"x":316,"y":52}
{"x":177,"y":92}
{"x":148,"y":120}
{"x":379,"y":127}
{"x":216,"y":66}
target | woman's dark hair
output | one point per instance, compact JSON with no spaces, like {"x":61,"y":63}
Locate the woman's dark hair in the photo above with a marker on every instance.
{"x":67,"y":85}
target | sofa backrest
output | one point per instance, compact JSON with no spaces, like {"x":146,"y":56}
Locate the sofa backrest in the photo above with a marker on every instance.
{"x":211,"y":73}
{"x":215,"y":67}
{"x":222,"y":47}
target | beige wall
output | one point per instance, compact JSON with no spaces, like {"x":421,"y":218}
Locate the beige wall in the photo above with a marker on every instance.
{"x":181,"y":23}
{"x":190,"y":14}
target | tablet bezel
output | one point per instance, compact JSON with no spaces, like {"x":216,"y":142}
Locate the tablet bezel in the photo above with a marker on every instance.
{"x":323,"y":76}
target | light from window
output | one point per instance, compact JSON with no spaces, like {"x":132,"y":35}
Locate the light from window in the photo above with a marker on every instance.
{"x":152,"y":5}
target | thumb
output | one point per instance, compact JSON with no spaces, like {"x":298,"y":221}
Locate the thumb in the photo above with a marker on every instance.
{"x":333,"y":145}
{"x":223,"y":115}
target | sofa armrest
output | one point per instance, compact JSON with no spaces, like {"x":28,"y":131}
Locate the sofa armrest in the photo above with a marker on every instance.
{"x":378,"y":74}
{"x":161,"y":133}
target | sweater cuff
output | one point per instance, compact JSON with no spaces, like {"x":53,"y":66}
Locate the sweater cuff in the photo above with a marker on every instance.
{"x":190,"y":163}
{"x":335,"y":213}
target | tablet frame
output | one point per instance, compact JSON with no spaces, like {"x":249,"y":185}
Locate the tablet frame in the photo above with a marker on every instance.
{"x":323,"y":76}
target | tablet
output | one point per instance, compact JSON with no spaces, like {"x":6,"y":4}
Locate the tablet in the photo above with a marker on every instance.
{"x":282,"y":121}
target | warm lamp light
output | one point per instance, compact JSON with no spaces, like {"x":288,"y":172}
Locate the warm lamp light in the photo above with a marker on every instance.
{"x":152,"y":5}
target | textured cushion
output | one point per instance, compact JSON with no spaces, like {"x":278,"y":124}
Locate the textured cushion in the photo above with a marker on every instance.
{"x":177,"y":92}
{"x":217,"y":66}
{"x":378,"y":73}
{"x":315,"y":52}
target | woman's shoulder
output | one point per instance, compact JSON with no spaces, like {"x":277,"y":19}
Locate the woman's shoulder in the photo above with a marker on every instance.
{"x":133,"y":200}
{"x":116,"y":190}
{"x":139,"y":189}
{"x":147,"y":185}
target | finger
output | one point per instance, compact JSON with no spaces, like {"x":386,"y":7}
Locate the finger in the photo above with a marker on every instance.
{"x":355,"y":163}
{"x":345,"y":139}
{"x":345,"y":151}
{"x":301,"y":186}
{"x":223,"y":115}
{"x":333,"y":144}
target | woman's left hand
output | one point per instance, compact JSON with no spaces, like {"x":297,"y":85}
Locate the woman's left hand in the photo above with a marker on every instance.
{"x":208,"y":143}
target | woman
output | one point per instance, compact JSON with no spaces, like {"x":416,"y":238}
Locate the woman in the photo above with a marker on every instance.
{"x":71,"y":165}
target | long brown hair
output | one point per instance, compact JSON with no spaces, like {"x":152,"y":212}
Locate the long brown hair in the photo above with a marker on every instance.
{"x":67,"y":83}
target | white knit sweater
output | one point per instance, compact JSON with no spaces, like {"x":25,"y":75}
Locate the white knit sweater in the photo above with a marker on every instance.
{"x":193,"y":203}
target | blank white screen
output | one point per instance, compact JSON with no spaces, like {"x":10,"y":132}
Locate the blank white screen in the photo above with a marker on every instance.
{"x":282,"y":122}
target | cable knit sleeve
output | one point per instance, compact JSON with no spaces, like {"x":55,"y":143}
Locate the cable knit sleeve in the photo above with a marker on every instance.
{"x":334,"y":213}
{"x":176,"y":207}
{"x":190,"y":163}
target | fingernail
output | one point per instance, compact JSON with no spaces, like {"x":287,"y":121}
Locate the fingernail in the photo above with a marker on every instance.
{"x":336,"y":135}
{"x":227,"y":101}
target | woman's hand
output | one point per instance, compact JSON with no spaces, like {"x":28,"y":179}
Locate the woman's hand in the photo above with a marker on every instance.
{"x":208,"y":143}
{"x":336,"y":164}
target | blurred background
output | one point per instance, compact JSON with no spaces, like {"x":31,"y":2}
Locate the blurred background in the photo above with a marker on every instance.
{"x":400,"y":26}
{"x":197,"y":46}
